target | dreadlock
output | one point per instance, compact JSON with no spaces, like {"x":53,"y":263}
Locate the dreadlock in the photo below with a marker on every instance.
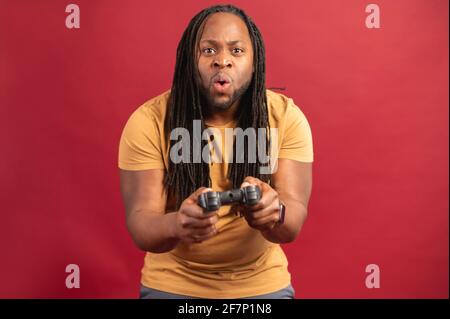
{"x":184,"y":106}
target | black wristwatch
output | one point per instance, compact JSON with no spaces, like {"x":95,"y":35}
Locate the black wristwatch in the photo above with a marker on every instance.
{"x":282,"y":213}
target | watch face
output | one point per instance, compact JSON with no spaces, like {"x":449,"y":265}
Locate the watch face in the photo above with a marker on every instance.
{"x":282,"y":212}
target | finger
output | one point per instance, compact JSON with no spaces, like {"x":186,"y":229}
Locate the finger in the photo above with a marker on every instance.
{"x":208,"y":213}
{"x":205,"y":222}
{"x":192,"y":210}
{"x":205,"y":231}
{"x":195,"y":211}
{"x":194,"y":199}
{"x":245,"y":184}
{"x":198,"y":237}
{"x":194,"y":196}
{"x":272,"y":209}
{"x":188,"y":222}
{"x":253,"y":180}
{"x":268,"y":219}
{"x":250,"y":180}
{"x":268,"y":194}
{"x":268,"y":198}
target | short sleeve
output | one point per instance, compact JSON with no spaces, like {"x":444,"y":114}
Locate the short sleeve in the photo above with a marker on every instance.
{"x":296,"y":142}
{"x":140,"y":143}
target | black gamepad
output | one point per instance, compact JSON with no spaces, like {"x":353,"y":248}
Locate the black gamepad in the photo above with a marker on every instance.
{"x":211,"y":201}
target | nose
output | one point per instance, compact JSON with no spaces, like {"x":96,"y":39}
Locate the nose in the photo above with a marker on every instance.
{"x":222,"y":61}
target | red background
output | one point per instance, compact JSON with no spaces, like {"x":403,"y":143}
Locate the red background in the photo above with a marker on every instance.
{"x":376,"y":100}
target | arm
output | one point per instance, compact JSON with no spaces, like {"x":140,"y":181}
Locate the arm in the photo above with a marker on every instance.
{"x":145,"y":202}
{"x":292,"y":185}
{"x":150,"y":227}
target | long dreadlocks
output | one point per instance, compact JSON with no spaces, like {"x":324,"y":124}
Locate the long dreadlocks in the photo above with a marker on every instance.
{"x":185,"y":106}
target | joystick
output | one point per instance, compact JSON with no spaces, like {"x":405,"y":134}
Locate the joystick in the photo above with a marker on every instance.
{"x":211,"y":201}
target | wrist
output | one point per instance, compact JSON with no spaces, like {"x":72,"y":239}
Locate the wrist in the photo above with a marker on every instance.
{"x":282,"y":213}
{"x":172,"y":226}
{"x":277,"y":233}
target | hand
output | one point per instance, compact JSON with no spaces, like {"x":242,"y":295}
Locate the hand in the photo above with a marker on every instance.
{"x":266,"y":213}
{"x":192,"y":223}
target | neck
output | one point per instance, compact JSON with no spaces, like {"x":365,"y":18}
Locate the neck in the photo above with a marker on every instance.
{"x":220,"y":117}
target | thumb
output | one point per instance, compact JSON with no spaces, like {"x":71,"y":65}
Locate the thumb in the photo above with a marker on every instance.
{"x":194,"y":196}
{"x":245,"y":184}
{"x":250,"y":180}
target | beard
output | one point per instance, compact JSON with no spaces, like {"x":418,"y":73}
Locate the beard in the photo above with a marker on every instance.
{"x":216,"y":106}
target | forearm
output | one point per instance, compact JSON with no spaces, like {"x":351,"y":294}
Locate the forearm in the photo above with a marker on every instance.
{"x":153,"y":232}
{"x":295,"y":216}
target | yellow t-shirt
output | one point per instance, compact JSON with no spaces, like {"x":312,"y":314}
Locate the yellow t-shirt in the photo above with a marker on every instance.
{"x":238,"y":262}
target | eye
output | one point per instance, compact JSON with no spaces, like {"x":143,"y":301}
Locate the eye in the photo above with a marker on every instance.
{"x":238,"y":51}
{"x":208,"y":51}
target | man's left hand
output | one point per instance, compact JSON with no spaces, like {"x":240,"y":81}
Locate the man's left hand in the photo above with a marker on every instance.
{"x":266,"y":213}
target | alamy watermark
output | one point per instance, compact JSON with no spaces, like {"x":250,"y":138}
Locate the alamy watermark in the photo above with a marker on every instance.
{"x":373,"y":279}
{"x":73,"y":19}
{"x":217,"y":151}
{"x":73,"y":279}
{"x":372,"y":21}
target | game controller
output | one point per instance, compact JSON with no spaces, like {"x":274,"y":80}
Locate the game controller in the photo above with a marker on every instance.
{"x":211,"y":201}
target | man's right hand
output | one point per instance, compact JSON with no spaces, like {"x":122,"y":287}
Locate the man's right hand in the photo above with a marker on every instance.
{"x":192,"y":223}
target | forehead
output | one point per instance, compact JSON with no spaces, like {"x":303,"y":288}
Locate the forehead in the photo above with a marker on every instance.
{"x":225,"y":26}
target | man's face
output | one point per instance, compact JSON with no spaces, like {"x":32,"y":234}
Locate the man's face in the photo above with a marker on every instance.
{"x":225,"y":60}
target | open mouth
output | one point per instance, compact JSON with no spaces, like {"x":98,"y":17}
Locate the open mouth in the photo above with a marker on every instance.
{"x":222,"y":83}
{"x":221,"y":79}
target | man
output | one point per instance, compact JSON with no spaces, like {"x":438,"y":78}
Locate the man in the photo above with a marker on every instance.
{"x":232,"y":252}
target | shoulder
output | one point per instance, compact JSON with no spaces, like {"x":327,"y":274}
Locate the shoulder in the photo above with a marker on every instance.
{"x":153,"y":109}
{"x":282,"y":108}
{"x":277,"y":98}
{"x":147,"y":120}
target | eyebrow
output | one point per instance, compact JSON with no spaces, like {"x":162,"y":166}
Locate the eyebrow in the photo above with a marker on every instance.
{"x":216,"y":42}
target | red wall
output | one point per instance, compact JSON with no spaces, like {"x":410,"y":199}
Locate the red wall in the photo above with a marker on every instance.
{"x":376,"y":100}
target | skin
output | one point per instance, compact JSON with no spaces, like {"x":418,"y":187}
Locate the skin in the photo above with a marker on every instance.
{"x":224,"y":47}
{"x":143,"y":191}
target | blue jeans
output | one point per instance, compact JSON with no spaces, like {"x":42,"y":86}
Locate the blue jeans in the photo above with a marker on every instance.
{"x":150,"y":293}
